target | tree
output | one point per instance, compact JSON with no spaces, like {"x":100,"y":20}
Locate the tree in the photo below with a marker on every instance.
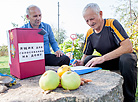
{"x":80,"y":36}
{"x":61,"y":36}
{"x":127,"y":12}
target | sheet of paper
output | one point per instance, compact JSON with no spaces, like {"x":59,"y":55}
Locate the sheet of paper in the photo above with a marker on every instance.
{"x":80,"y":68}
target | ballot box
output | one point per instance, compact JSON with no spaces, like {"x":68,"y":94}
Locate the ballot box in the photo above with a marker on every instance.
{"x":26,"y":52}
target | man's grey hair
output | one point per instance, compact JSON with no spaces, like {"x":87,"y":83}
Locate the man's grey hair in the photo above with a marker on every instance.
{"x":27,"y":10}
{"x":93,"y":6}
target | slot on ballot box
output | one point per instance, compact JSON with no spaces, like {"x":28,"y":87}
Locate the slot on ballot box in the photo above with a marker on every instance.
{"x":26,"y":52}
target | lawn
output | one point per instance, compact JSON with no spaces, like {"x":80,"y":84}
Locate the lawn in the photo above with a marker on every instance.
{"x":5,"y":69}
{"x":4,"y":66}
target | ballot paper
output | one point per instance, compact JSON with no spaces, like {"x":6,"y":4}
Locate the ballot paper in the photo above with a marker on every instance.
{"x":83,"y":70}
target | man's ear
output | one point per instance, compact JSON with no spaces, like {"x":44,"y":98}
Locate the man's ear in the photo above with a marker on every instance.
{"x":27,"y":16}
{"x":101,"y":13}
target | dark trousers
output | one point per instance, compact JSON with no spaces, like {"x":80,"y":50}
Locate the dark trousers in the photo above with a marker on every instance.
{"x":52,"y":60}
{"x":127,"y":64}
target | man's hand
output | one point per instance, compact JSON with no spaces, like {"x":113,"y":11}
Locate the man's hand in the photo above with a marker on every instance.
{"x":77,"y":63}
{"x":94,"y":61}
{"x":59,"y":53}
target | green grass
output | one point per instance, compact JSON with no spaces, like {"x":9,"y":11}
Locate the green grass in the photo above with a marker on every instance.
{"x":4,"y":65}
{"x":5,"y":69}
{"x":4,"y":62}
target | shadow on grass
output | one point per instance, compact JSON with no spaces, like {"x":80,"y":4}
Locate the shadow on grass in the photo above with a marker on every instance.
{"x":5,"y":71}
{"x":4,"y":62}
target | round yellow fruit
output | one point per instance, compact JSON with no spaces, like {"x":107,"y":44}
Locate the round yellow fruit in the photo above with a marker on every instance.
{"x":70,"y":80}
{"x":49,"y":80}
{"x":63,"y":69}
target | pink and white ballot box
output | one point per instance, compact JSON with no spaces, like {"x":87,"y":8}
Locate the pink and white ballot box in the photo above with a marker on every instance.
{"x":26,"y":52}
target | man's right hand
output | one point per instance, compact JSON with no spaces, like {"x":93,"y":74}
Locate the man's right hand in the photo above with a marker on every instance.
{"x":77,"y":63}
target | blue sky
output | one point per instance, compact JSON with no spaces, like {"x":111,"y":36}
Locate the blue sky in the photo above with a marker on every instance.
{"x":70,"y":11}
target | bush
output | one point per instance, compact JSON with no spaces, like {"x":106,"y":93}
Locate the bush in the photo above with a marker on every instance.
{"x":77,"y":49}
{"x":3,"y":50}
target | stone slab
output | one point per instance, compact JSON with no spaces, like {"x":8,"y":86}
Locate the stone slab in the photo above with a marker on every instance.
{"x":106,"y":86}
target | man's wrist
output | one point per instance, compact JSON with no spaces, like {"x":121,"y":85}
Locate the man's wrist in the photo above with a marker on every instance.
{"x":103,"y":58}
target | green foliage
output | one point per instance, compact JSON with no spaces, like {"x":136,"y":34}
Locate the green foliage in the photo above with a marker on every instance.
{"x":127,"y":15}
{"x":4,"y":62}
{"x":126,"y":12}
{"x":77,"y":48}
{"x":4,"y":65}
{"x":80,"y":36}
{"x":14,"y":25}
{"x":25,"y":19}
{"x":3,"y":50}
{"x":5,"y":71}
{"x":61,"y":36}
{"x":134,"y":36}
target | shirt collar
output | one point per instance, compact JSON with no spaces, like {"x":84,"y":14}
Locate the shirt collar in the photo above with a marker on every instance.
{"x":40,"y":26}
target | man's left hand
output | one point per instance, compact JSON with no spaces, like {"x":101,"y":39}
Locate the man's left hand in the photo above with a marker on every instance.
{"x":59,"y":53}
{"x":94,"y":61}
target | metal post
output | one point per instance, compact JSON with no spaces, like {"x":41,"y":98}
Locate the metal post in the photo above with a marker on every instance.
{"x":58,"y":23}
{"x":130,"y":15}
{"x":130,"y":9}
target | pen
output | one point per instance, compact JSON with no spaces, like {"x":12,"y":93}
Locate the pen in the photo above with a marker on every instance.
{"x":75,"y":62}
